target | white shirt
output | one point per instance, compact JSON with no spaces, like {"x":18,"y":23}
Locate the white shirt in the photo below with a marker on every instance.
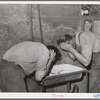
{"x":29,"y":55}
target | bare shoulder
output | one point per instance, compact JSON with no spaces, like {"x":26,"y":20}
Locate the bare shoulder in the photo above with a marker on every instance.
{"x":86,"y":35}
{"x":87,"y":38}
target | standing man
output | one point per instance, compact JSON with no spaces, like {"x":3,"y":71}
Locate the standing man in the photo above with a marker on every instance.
{"x":88,"y":54}
{"x":22,"y":60}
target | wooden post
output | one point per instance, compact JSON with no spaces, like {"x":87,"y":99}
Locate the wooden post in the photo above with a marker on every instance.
{"x":31,"y":23}
{"x":40,"y":23}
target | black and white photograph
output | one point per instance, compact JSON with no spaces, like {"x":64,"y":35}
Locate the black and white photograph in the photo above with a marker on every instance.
{"x":50,"y":48}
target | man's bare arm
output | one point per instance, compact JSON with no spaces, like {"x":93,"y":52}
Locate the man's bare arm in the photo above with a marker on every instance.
{"x":71,"y":56}
{"x":39,"y":75}
{"x":86,"y":53}
{"x":85,"y":56}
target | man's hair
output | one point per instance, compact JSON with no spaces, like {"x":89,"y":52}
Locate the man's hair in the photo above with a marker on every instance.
{"x":65,"y":38}
{"x":58,"y":54}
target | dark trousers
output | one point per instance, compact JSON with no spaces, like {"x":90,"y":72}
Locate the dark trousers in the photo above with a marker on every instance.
{"x":94,"y":80}
{"x":13,"y":78}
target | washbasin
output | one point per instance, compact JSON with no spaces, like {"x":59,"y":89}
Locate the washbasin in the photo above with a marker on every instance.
{"x":64,"y":68}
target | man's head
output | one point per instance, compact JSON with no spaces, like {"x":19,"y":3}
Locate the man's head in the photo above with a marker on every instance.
{"x":88,"y":24}
{"x":58,"y":54}
{"x":89,"y":21}
{"x":67,"y":39}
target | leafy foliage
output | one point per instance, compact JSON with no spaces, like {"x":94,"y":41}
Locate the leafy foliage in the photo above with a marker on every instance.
{"x":92,"y":9}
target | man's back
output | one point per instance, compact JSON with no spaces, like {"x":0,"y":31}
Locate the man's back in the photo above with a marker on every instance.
{"x":31,"y":53}
{"x":91,"y":38}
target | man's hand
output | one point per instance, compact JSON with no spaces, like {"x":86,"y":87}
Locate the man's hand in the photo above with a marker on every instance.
{"x":78,"y":48}
{"x":52,"y":55}
{"x":66,"y":46}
